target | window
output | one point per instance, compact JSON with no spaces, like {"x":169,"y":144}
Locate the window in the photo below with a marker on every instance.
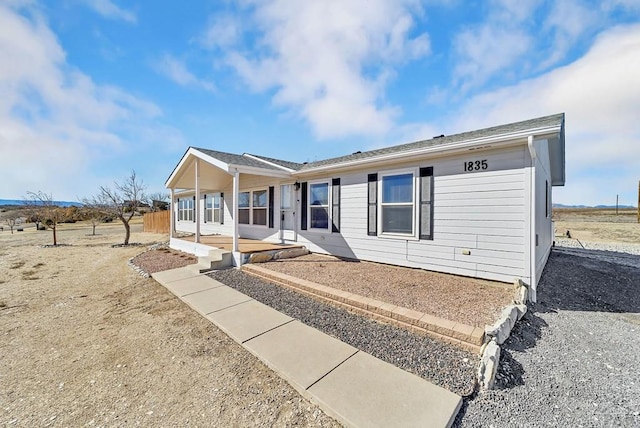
{"x":252,"y":207}
{"x":397,"y":204}
{"x":319,"y":205}
{"x":244,"y":207}
{"x":401,"y":203}
{"x":185,"y":209}
{"x":547,"y":197}
{"x":213,"y":208}
{"x":260,"y":207}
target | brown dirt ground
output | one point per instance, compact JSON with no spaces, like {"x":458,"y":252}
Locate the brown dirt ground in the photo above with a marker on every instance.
{"x":88,"y":341}
{"x":470,"y":301}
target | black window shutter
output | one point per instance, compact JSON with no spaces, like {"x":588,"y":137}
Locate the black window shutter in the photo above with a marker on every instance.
{"x":221,"y":208}
{"x":205,"y":207}
{"x":271,"y":189}
{"x":426,"y":203}
{"x":335,"y":205}
{"x":372,"y":202}
{"x":303,"y":206}
{"x":194,"y":208}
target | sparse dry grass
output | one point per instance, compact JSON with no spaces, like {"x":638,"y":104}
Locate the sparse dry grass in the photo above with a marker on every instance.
{"x":598,"y":224}
{"x":28,"y":275}
{"x":17,"y":265}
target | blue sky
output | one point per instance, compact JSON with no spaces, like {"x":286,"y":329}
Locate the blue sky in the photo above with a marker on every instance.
{"x":91,"y":89}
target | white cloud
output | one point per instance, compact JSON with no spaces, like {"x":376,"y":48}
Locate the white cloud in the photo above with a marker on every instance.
{"x":567,"y":21}
{"x":329,"y":61}
{"x":177,"y":71}
{"x":223,"y":31}
{"x":624,"y":4}
{"x":56,"y":124}
{"x":109,"y":9}
{"x":599,"y":93}
{"x":495,"y":45}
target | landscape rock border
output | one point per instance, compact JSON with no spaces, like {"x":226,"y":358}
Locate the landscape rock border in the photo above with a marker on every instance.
{"x":137,"y":268}
{"x":498,"y":333}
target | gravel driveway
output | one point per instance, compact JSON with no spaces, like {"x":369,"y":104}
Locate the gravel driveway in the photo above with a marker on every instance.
{"x":575,"y":358}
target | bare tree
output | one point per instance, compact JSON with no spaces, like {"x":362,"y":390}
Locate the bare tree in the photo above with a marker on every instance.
{"x":13,"y":219}
{"x":94,"y":211}
{"x":45,"y":211}
{"x":122,"y":201}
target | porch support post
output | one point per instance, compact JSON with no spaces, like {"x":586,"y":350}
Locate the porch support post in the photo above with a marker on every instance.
{"x":197,"y":202}
{"x":172,"y":218}
{"x":236,"y":191}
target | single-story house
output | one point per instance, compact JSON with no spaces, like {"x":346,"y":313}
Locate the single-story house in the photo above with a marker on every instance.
{"x":476,"y":204}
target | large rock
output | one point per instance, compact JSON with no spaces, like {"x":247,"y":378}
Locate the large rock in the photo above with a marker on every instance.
{"x":290,"y":253}
{"x":507,"y":320}
{"x":521,"y":294}
{"x":260,"y":257}
{"x":489,"y":362}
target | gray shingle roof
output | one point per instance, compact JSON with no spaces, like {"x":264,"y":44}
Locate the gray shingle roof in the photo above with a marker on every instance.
{"x":531,"y":124}
{"x":283,"y":163}
{"x":541,"y":122}
{"x":231,"y":158}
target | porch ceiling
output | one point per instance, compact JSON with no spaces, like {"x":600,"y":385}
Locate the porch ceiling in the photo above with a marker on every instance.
{"x":211,"y":177}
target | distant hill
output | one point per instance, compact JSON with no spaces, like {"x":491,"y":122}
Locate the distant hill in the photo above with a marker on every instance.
{"x":20,"y":202}
{"x":591,"y":206}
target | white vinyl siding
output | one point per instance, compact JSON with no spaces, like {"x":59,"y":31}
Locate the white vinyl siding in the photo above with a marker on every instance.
{"x":483,"y":212}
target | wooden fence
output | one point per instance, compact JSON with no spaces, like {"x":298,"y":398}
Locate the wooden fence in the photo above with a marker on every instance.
{"x":158,"y":222}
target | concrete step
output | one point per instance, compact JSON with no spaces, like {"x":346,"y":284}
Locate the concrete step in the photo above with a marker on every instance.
{"x":217,"y":259}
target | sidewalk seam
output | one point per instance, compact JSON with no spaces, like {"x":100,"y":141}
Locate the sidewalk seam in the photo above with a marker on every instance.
{"x":267,"y":331}
{"x":230,"y":306}
{"x":327,"y":373}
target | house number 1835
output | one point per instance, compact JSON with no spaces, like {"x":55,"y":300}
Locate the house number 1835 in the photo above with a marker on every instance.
{"x":476,"y":165}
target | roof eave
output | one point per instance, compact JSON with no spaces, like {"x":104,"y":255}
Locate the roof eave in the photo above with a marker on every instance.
{"x":284,"y":168}
{"x":243,"y":169}
{"x":462,"y":146}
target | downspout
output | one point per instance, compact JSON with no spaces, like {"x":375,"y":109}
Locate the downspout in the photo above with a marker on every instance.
{"x":532,"y":206}
{"x":236,"y":191}
{"x":197,"y":202}
{"x":172,"y":220}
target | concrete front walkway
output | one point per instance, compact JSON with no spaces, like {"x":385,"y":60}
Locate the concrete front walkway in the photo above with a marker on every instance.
{"x":350,"y":385}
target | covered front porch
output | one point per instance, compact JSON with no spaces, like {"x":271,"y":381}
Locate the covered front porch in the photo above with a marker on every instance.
{"x":224,"y":242}
{"x":208,"y":210}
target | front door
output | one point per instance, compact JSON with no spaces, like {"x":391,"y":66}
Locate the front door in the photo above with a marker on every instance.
{"x":287,"y":213}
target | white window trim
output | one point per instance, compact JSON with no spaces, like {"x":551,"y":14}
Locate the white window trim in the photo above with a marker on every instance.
{"x":330,"y":219}
{"x":414,"y":212}
{"x":251,"y":207}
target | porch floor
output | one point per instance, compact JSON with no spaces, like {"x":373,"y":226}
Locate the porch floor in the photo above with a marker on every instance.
{"x":245,"y":245}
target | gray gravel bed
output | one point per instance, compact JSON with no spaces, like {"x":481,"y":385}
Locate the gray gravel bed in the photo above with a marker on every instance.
{"x":443,"y":364}
{"x":623,"y":254}
{"x":599,"y":246}
{"x":574,"y":360}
